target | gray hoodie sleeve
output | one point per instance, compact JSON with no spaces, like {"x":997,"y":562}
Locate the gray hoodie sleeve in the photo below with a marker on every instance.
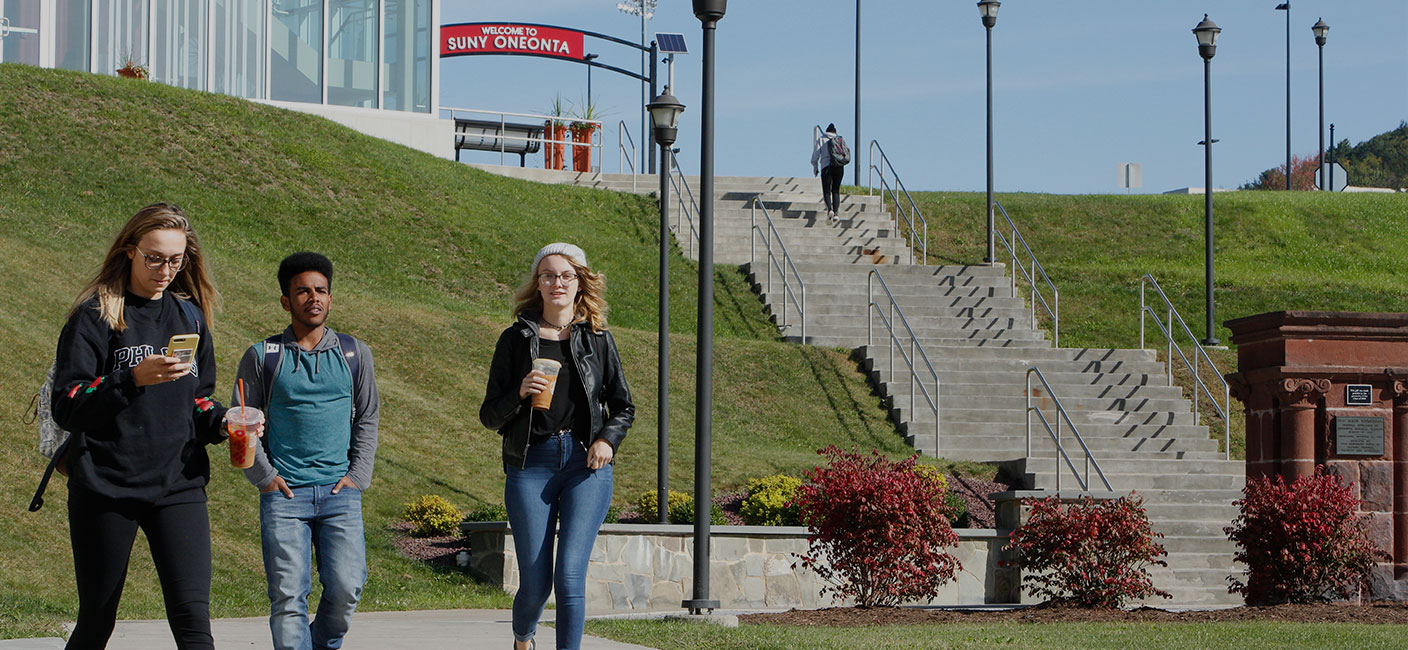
{"x":251,"y":370}
{"x":367,"y":401}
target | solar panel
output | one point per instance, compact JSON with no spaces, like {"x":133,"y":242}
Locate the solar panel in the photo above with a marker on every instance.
{"x":671,"y":43}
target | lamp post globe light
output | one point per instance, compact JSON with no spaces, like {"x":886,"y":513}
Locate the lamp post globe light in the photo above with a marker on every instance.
{"x":1207,"y":32}
{"x":1321,"y":30}
{"x":988,"y":10}
{"x":709,"y":12}
{"x":665,"y":113}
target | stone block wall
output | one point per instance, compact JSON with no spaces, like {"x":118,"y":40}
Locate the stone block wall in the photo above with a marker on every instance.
{"x":641,"y":567}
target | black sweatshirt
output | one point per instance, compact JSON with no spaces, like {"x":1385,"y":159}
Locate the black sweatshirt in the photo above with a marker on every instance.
{"x":145,"y":443}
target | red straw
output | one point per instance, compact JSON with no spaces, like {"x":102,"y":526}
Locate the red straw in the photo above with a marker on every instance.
{"x":240,"y":382}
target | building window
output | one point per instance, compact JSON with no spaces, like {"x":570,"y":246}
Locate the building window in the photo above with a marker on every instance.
{"x":178,"y":41}
{"x":121,"y":35}
{"x":22,"y":43}
{"x":238,"y":48}
{"x":71,"y":38}
{"x":296,"y":57}
{"x":352,"y":52}
{"x":406,"y":76}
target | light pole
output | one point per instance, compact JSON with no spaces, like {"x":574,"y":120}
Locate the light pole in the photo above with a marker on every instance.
{"x":1207,"y":32}
{"x":856,"y":142}
{"x":709,"y":12}
{"x":1286,"y":7}
{"x":589,"y":58}
{"x":665,"y":116}
{"x":1321,"y":29}
{"x":1332,"y":158}
{"x":988,"y":9}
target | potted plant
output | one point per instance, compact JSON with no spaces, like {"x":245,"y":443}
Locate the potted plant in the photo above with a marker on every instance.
{"x":556,"y":132}
{"x":582,"y":129}
{"x":132,"y":70}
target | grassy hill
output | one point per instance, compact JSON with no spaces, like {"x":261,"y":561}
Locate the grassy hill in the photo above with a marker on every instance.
{"x":427,"y":252}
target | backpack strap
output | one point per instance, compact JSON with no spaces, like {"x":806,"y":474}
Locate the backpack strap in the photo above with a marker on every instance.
{"x":273,"y":355}
{"x":348,"y":345}
{"x":38,"y":501}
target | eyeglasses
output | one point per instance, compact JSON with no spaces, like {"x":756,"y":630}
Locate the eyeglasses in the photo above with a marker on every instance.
{"x":552,"y":278}
{"x":154,"y":262}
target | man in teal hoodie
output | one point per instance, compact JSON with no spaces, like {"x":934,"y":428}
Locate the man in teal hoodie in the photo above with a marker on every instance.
{"x":318,"y":391}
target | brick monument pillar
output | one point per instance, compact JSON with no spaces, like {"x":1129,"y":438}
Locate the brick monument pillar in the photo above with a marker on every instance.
{"x":1331,"y":388}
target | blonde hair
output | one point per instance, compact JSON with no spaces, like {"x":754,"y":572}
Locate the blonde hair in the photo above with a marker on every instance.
{"x":590,"y":304}
{"x":110,"y":285}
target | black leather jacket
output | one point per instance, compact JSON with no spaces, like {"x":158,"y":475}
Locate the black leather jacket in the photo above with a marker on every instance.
{"x":598,"y":365}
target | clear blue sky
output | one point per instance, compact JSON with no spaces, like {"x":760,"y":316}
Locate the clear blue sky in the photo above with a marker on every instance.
{"x":1078,"y":87}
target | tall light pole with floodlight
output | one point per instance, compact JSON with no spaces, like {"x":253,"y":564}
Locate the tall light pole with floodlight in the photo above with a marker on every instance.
{"x":1321,"y":30}
{"x":709,"y":12}
{"x":1207,"y":32}
{"x":665,"y":116}
{"x":988,"y":10}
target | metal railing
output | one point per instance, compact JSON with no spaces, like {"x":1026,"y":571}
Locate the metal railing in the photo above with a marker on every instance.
{"x":1055,"y":435}
{"x":1030,"y":268}
{"x":504,"y":136}
{"x":623,"y":137}
{"x":910,"y":215}
{"x":915,"y":354}
{"x":684,"y":215}
{"x":1223,"y":410}
{"x":777,"y":262}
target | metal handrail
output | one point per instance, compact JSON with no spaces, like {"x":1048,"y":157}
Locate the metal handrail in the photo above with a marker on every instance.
{"x":1056,"y":435}
{"x":1032,"y":266}
{"x":911,"y":215}
{"x":623,"y":136}
{"x":774,"y":261}
{"x":915,"y":348}
{"x":1223,"y":411}
{"x":503,"y":136}
{"x":685,"y":213}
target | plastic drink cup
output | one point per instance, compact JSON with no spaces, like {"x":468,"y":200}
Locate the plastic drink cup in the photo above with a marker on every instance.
{"x":543,"y":401}
{"x":241,"y":422}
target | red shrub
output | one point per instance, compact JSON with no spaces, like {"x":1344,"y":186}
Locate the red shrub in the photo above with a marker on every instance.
{"x":1088,"y":553}
{"x":878,"y":529}
{"x":1300,"y":542}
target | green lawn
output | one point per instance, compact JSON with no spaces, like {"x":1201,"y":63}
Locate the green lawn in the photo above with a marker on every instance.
{"x":426,"y":252}
{"x":1067,"y":636}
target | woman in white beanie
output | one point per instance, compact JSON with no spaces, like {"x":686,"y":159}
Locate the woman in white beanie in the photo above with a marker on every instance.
{"x":558,"y":459}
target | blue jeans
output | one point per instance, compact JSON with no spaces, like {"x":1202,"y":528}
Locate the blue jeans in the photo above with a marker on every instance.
{"x":315,"y":519}
{"x":555,"y":491}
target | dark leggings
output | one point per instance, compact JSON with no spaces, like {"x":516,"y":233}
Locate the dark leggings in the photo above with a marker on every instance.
{"x":102,"y":531}
{"x":831,"y":186}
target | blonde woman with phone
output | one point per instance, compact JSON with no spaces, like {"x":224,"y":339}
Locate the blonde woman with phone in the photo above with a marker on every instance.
{"x":141,"y":418}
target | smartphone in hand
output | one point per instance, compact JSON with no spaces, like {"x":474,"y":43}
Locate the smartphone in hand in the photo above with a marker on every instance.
{"x":183,"y":347}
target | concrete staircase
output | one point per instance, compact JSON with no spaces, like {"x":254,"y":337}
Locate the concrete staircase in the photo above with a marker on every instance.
{"x":981,"y":339}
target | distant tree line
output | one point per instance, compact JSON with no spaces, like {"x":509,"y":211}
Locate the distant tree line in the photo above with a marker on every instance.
{"x":1380,"y":161}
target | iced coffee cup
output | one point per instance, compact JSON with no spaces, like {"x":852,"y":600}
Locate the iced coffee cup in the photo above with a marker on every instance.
{"x":242,"y":422}
{"x":543,"y":401}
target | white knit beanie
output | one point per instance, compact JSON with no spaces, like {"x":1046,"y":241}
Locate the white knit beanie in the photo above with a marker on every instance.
{"x":566,"y":250}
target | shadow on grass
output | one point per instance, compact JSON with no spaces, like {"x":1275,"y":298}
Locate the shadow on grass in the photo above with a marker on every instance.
{"x":832,"y":383}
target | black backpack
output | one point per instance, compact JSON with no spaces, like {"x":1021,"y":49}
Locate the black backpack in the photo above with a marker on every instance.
{"x":840,"y":153}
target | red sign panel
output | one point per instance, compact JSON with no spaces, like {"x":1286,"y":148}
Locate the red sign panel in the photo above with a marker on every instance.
{"x":508,"y":38}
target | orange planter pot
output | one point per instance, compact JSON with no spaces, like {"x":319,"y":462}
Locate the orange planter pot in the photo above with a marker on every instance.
{"x":555,"y":153}
{"x":582,"y":153}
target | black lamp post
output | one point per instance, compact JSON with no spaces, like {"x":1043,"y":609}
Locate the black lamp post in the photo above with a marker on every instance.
{"x":988,"y":9}
{"x":1286,"y":7}
{"x":1207,"y":32}
{"x":709,"y":12}
{"x":1331,"y":186}
{"x":856,"y":142}
{"x":589,"y":58}
{"x":1321,"y":29}
{"x":665,"y":116}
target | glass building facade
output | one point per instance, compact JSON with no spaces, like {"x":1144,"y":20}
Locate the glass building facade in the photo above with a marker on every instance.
{"x":377,"y":54}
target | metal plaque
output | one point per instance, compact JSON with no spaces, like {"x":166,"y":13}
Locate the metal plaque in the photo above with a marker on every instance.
{"x":1359,"y":436}
{"x":1359,"y":395}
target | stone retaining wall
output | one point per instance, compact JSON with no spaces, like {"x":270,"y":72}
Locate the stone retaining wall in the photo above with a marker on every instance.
{"x":650,"y":566}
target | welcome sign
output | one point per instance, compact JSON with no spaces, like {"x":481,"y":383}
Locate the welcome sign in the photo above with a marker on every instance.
{"x":510,"y":38}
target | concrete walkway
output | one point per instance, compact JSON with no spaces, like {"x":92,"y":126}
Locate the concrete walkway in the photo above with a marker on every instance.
{"x":421,"y":630}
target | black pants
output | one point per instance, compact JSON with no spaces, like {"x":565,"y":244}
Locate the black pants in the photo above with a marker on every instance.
{"x":831,"y":186}
{"x":102,"y":531}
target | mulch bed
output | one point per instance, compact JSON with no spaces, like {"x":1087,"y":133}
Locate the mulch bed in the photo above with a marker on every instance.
{"x":1375,"y":613}
{"x":975,"y":492}
{"x":435,"y":551}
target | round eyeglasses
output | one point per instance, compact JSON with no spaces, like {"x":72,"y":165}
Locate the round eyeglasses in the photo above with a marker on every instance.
{"x":154,"y":262}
